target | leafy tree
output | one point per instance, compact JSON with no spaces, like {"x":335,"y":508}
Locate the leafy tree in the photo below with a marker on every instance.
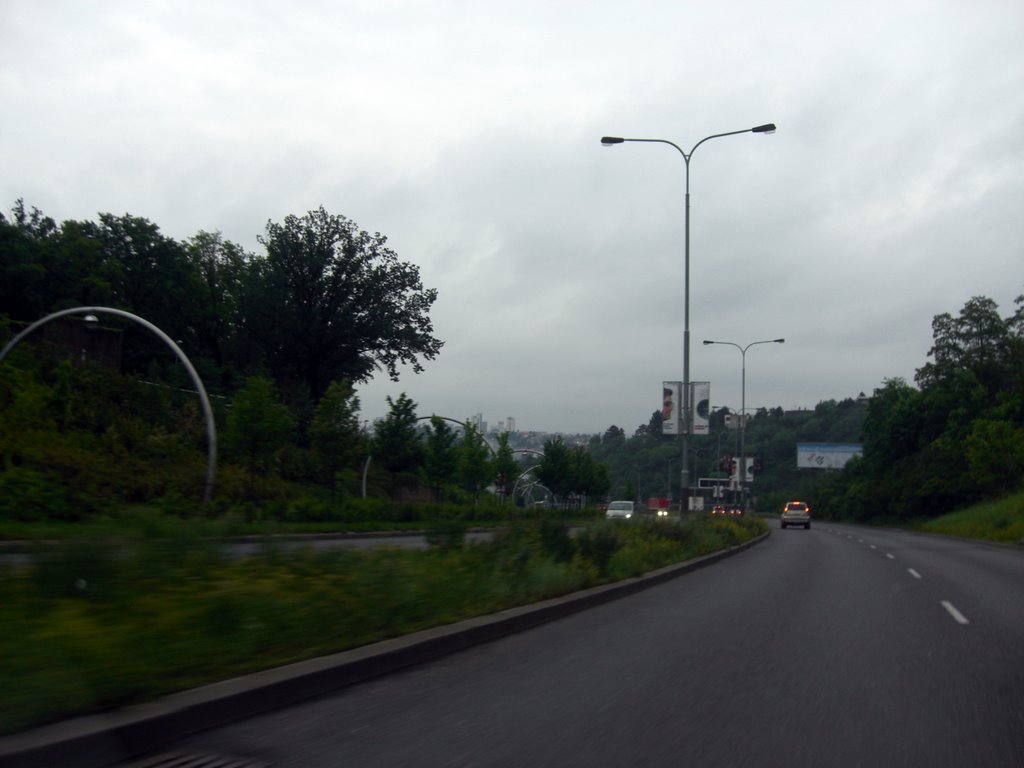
{"x":149,"y":272}
{"x":220,"y":271}
{"x":440,"y":462}
{"x":506,"y":468}
{"x":396,"y":444}
{"x":995,"y":454}
{"x":331,"y":301}
{"x":892,"y":426}
{"x":590,"y":477}
{"x":258,"y":426}
{"x":614,"y":435}
{"x":656,"y":426}
{"x":334,"y":432}
{"x":476,"y":469}
{"x":80,"y":273}
{"x":976,"y":341}
{"x":26,"y":244}
{"x":555,"y":470}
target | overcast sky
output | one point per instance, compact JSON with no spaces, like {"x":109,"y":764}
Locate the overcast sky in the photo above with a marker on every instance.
{"x":468,"y":133}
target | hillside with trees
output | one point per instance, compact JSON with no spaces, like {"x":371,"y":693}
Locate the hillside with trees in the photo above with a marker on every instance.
{"x":953,"y":439}
{"x":324,"y":302}
{"x":283,"y":338}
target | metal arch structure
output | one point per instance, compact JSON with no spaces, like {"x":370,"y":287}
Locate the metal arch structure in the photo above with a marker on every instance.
{"x":536,"y":482}
{"x":463,"y":424}
{"x":204,"y":400}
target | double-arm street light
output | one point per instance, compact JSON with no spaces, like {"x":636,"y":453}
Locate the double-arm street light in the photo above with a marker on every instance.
{"x":743,"y":402}
{"x":686,"y":422}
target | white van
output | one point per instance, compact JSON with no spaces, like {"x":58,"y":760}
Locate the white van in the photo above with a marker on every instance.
{"x":620,"y":510}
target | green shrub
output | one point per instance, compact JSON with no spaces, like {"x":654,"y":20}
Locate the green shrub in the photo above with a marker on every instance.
{"x":556,"y":541}
{"x":447,"y":534}
{"x":29,"y":495}
{"x":598,"y":544}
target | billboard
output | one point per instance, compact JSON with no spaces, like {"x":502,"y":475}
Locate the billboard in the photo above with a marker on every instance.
{"x":826,"y":455}
{"x":671,"y":406}
{"x":700,"y":403}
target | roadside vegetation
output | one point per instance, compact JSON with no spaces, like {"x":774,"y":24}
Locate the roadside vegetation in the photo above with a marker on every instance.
{"x":123,"y":592}
{"x":99,"y":622}
{"x":1001,"y":520}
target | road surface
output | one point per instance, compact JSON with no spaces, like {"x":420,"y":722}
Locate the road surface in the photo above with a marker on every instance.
{"x":838,"y":646}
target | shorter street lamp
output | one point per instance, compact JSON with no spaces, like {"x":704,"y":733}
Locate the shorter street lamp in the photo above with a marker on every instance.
{"x":743,"y":404}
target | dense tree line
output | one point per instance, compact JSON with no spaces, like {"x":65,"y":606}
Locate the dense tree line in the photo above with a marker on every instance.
{"x":647,"y":464}
{"x":285,"y":335}
{"x":79,"y":440}
{"x":955,"y":438}
{"x":288,"y":334}
{"x":324,"y":302}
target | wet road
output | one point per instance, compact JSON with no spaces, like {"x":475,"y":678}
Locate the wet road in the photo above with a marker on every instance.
{"x":838,"y":646}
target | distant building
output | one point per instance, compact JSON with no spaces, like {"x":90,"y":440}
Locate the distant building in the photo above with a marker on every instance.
{"x":477,"y":420}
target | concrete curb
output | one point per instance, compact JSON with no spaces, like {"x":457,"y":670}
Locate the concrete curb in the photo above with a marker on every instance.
{"x":104,"y":739}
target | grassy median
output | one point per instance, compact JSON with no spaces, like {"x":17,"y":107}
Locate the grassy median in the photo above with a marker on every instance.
{"x":99,"y":622}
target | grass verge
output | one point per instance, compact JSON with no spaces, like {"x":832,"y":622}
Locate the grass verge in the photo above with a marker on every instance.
{"x":97,"y":622}
{"x":1001,"y":520}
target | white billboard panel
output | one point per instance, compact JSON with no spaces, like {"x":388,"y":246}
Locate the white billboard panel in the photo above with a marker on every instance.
{"x":700,"y":405}
{"x":826,"y":455}
{"x":671,"y":406}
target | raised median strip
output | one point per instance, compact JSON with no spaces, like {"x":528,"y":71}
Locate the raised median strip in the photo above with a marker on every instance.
{"x":119,"y":735}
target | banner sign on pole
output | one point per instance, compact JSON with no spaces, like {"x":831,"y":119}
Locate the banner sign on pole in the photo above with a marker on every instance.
{"x":700,"y":402}
{"x":671,"y":407}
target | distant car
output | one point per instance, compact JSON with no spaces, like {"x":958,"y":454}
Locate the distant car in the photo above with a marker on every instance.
{"x":620,"y":510}
{"x":719,"y":511}
{"x":796,"y":513}
{"x":736,"y":511}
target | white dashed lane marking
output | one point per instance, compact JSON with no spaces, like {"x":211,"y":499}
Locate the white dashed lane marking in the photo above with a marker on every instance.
{"x":957,"y":616}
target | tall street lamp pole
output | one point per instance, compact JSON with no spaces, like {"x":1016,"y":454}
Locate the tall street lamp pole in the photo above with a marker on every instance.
{"x":743,"y":403}
{"x":686,"y":422}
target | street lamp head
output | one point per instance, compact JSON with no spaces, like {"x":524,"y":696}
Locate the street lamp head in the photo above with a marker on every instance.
{"x":708,"y":342}
{"x":609,"y":140}
{"x":766,"y":128}
{"x":779,"y":341}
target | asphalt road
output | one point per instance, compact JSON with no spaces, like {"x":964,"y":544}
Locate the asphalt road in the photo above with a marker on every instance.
{"x":837,"y":646}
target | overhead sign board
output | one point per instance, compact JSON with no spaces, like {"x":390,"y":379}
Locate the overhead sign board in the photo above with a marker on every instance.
{"x":826,"y":455}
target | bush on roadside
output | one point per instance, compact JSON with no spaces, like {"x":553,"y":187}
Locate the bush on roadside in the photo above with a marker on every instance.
{"x":97,"y":622}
